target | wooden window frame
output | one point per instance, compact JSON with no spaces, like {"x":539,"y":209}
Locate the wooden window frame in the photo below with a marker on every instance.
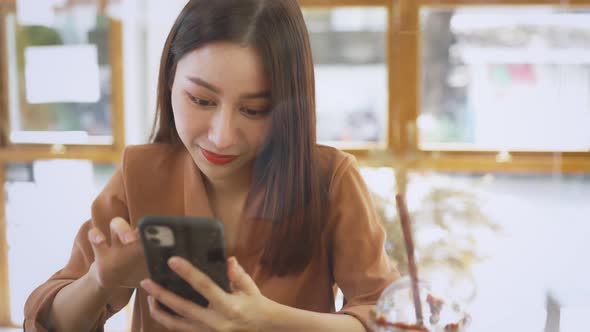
{"x":403,"y":105}
{"x":366,"y":153}
{"x":403,"y":62}
{"x":10,"y":152}
{"x":27,"y":152}
{"x":408,"y":104}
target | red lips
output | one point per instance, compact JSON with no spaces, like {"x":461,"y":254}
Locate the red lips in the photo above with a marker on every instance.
{"x":217,"y":159}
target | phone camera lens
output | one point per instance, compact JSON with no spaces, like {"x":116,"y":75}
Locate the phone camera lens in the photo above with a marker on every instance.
{"x":152,"y":230}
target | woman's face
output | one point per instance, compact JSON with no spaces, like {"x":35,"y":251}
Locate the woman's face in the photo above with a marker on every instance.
{"x":221,"y":105}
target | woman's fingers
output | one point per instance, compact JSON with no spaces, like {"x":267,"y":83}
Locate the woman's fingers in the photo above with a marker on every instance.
{"x":240,"y":280}
{"x":168,"y":321}
{"x":117,"y":230}
{"x":118,"y":264}
{"x":183,"y":307}
{"x":199,"y":281}
{"x":121,"y":232}
{"x":226,"y":311}
{"x":95,"y":236}
{"x":97,"y":241}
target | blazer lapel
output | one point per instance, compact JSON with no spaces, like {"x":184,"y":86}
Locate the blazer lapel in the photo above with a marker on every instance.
{"x":196,"y":201}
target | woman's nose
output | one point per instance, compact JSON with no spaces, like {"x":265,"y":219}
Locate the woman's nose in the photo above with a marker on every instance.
{"x":222,"y":129}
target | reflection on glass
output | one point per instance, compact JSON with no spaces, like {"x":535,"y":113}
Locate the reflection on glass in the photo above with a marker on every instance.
{"x":348,"y":46}
{"x":44,"y":106}
{"x":46,"y":202}
{"x":498,"y":243}
{"x":505,"y":79}
{"x":502,"y":242}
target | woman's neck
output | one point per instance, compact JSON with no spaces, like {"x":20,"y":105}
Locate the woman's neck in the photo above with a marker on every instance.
{"x":228,"y":189}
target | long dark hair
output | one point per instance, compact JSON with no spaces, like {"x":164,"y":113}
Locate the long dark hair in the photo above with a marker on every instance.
{"x":286,"y":182}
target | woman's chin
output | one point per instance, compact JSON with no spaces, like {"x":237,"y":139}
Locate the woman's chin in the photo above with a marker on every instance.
{"x":216,"y":172}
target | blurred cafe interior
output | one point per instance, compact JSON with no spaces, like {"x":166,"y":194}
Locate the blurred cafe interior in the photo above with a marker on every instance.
{"x":478,"y":111}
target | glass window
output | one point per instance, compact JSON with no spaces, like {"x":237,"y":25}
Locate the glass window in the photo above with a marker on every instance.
{"x":349,"y":49}
{"x":46,"y":202}
{"x":498,"y":78}
{"x":499,"y":243}
{"x":60,"y":76}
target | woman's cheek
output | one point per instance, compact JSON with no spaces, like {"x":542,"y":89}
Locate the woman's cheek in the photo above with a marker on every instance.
{"x":263,"y":132}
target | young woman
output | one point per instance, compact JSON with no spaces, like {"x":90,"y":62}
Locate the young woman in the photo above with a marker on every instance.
{"x":234,"y":139}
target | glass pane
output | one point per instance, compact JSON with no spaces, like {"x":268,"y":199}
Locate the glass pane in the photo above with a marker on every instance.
{"x":499,"y":243}
{"x":46,"y":202}
{"x":348,"y":47}
{"x":59,"y":75}
{"x":498,"y":78}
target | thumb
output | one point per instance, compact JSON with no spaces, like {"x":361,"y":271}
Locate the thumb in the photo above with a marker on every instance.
{"x":97,"y":241}
{"x":240,"y":280}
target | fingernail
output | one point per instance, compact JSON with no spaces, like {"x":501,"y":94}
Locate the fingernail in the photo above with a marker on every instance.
{"x":175,"y":263}
{"x":129,"y":237}
{"x":114,"y":220}
{"x":152,"y":302}
{"x":236,"y":264}
{"x":97,"y":238}
{"x":145,"y":284}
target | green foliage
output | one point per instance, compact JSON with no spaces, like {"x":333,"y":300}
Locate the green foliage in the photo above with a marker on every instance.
{"x":445,"y":222}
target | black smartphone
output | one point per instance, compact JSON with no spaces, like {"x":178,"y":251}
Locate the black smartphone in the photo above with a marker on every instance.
{"x":198,"y":240}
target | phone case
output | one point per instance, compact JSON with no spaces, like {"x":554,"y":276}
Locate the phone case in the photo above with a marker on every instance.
{"x":198,"y":240}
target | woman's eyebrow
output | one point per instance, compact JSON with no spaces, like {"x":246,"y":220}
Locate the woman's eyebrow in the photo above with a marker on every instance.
{"x":201,"y":82}
{"x":209,"y":86}
{"x":256,"y":95}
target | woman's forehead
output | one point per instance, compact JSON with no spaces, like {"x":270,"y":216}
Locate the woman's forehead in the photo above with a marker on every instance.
{"x":224,"y":65}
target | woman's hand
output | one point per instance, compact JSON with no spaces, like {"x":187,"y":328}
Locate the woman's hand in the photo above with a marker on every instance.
{"x":245,"y":309}
{"x":120,"y":264}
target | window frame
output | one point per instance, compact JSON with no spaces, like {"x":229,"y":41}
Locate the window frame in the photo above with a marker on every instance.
{"x":368,"y":153}
{"x":27,"y":151}
{"x":17,"y":152}
{"x":466,"y":160}
{"x":403,"y":104}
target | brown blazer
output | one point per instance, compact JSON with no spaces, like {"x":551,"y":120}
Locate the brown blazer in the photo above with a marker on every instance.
{"x":162,"y":179}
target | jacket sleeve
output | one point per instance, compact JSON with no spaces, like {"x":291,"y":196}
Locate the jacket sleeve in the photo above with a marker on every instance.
{"x":110,"y":203}
{"x":360,"y":265}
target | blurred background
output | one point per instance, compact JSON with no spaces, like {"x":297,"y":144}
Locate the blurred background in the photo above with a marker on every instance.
{"x":479,"y":111}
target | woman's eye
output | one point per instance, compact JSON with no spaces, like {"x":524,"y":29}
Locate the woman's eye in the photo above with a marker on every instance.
{"x":201,"y":102}
{"x":254,"y":113}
